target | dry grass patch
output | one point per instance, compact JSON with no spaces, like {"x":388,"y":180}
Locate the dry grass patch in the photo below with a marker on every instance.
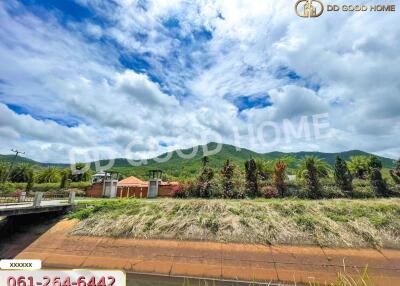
{"x":341,"y":223}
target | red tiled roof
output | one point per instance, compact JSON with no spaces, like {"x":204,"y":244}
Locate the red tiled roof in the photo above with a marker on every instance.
{"x":132,"y":181}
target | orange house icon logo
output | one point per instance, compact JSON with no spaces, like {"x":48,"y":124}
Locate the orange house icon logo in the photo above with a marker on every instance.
{"x":307,"y":9}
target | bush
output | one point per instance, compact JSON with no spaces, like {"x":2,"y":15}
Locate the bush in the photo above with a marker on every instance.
{"x":191,"y":190}
{"x":363,"y":192}
{"x":178,"y":192}
{"x":268,"y":191}
{"x":332,"y":192}
{"x":278,"y":178}
{"x":251,"y":178}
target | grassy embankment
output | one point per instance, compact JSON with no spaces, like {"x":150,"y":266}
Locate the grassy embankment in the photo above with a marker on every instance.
{"x":337,"y":222}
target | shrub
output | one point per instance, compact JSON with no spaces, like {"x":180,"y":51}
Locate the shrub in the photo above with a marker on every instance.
{"x":204,"y":183}
{"x":311,"y":178}
{"x":278,"y":177}
{"x":395,"y":173}
{"x":227,"y":180}
{"x":30,"y":182}
{"x":378,"y":184}
{"x":191,"y":189}
{"x":331,"y":192}
{"x":363,"y":192}
{"x":268,"y":191}
{"x":251,"y":178}
{"x":178,"y":191}
{"x":343,"y":178}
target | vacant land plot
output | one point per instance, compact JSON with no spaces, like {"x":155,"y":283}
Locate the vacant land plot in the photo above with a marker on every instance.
{"x":341,"y":223}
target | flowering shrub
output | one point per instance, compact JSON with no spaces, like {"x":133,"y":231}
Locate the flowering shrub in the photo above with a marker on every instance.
{"x":178,"y":191}
{"x":268,"y":191}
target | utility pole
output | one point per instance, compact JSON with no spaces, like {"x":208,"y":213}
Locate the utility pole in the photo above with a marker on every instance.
{"x":12,"y":163}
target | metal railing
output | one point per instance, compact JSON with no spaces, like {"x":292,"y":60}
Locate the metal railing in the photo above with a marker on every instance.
{"x":35,"y":198}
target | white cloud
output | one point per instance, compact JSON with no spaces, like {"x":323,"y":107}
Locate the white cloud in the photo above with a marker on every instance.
{"x":344,"y":64}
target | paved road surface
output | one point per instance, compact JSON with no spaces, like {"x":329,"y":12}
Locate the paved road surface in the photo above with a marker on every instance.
{"x":209,"y":259}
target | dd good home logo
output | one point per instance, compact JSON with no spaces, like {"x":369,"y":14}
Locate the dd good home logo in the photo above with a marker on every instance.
{"x":309,"y":8}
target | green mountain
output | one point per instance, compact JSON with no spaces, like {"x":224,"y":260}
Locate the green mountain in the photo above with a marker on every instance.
{"x":177,"y":167}
{"x":18,"y":160}
{"x":181,"y":168}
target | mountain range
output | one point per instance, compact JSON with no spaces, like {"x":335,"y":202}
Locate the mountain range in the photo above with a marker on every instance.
{"x":179,"y":167}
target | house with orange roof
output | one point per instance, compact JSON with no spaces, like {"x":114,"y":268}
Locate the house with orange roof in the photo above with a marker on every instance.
{"x":155,"y":187}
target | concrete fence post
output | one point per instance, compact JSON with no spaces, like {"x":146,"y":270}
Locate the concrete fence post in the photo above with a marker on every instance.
{"x":38,"y":199}
{"x":22,"y":197}
{"x":71,"y":198}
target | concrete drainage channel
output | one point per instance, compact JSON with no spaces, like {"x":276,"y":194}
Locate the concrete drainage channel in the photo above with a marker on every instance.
{"x":144,"y":279}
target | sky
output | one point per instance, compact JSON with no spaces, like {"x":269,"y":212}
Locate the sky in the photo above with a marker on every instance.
{"x":90,"y":79}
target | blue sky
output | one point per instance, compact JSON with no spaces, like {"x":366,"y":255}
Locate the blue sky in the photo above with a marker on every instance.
{"x":137,"y":78}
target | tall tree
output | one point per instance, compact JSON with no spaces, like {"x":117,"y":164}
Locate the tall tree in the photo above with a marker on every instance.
{"x":227,"y":179}
{"x":48,"y":175}
{"x":251,"y":178}
{"x":204,"y":183}
{"x":80,"y":175}
{"x":358,"y":166}
{"x":30,"y":182}
{"x":311,"y":178}
{"x":378,"y":183}
{"x":278,"y":177}
{"x":374,"y":163}
{"x":322,"y":167}
{"x":65,"y":174}
{"x":395,"y":173}
{"x":21,"y":173}
{"x":343,"y":177}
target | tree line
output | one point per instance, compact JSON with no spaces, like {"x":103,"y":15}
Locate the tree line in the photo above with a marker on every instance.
{"x":313,"y":177}
{"x":30,"y":174}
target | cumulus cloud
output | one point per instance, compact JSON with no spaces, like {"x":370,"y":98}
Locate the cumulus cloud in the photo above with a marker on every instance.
{"x":139,"y":73}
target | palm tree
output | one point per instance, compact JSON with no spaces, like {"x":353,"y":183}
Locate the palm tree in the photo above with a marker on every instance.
{"x":322,"y":167}
{"x":48,"y":175}
{"x":21,"y":173}
{"x":359,"y":166}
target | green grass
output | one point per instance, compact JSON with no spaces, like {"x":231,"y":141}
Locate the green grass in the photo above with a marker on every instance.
{"x":336,"y":222}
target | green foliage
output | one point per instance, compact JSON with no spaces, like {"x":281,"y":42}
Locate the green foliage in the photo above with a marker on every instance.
{"x":311,"y":177}
{"x":205,"y":180}
{"x":251,"y":179}
{"x":395,"y":173}
{"x":278,"y":178}
{"x":21,"y":173}
{"x":343,"y":177}
{"x":359,"y":166}
{"x":80,"y":175}
{"x":374,"y":163}
{"x":48,"y":175}
{"x":378,"y":184}
{"x":227,"y":180}
{"x":64,"y":178}
{"x":321,"y":166}
{"x":3,"y":171}
{"x":30,"y":183}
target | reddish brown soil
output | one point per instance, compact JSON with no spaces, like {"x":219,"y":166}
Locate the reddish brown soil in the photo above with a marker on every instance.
{"x":210,"y":259}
